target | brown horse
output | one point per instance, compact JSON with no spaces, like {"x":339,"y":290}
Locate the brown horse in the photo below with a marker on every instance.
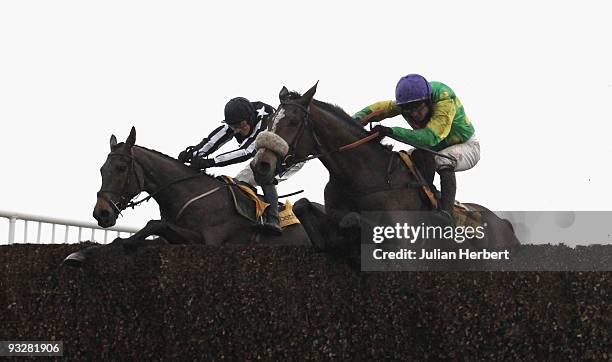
{"x":369,"y":178}
{"x":195,"y":207}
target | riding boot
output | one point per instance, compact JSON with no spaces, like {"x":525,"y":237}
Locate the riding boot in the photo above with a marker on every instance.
{"x":448,"y":186}
{"x":271,"y":222}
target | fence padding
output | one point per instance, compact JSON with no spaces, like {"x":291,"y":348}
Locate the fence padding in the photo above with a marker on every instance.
{"x":291,"y":303}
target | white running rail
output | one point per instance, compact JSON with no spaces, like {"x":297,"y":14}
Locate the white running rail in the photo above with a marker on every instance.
{"x":74,"y":231}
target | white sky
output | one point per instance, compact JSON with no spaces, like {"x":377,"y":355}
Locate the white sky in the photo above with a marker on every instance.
{"x":534,"y":76}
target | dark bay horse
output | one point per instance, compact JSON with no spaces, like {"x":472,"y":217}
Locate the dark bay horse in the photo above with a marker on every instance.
{"x":195,"y":208}
{"x":369,"y":178}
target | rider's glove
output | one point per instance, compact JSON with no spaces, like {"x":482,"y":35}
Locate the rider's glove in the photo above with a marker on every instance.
{"x":186,"y":155}
{"x":382,"y":130}
{"x":202,"y":163}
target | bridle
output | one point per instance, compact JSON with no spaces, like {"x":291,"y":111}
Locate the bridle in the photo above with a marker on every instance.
{"x":126,"y":201}
{"x":290,"y":158}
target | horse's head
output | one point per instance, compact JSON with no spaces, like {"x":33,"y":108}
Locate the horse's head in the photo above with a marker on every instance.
{"x":122,"y":180}
{"x":289,"y":137}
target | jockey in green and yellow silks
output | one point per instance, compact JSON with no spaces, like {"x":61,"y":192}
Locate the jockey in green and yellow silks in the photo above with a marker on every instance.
{"x":438,"y":122}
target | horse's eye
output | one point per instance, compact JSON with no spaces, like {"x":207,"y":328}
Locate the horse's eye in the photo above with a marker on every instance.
{"x":294,"y":122}
{"x":121,"y":168}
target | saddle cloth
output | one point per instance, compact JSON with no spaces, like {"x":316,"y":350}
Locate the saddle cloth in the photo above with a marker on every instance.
{"x":250,"y":205}
{"x":464,"y":215}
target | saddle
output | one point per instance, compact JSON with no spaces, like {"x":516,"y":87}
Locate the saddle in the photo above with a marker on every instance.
{"x":251,"y":206}
{"x":464,"y":215}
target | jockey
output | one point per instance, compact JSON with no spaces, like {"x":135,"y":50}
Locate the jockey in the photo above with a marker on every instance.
{"x":244,"y":121}
{"x":438,"y":122}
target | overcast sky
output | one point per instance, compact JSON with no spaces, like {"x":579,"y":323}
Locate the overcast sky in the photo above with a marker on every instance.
{"x":535,"y":77}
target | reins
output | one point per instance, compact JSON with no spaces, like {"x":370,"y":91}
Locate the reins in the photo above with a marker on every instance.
{"x":363,"y":123}
{"x":136,"y":203}
{"x":307,"y":123}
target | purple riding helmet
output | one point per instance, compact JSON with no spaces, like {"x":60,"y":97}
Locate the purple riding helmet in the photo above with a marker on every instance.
{"x":412,"y":88}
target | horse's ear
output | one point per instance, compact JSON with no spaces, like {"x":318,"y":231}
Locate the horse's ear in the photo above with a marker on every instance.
{"x":283,"y":93}
{"x":307,"y":97}
{"x":113,"y":142}
{"x":131,"y":140}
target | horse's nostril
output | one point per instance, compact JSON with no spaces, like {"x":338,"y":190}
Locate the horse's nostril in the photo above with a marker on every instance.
{"x":104,"y":213}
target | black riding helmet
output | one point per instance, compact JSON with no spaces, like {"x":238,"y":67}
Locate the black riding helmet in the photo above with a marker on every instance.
{"x":237,"y":110}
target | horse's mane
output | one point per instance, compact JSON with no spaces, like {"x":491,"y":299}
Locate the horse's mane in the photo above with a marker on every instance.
{"x":162,"y":155}
{"x":338,"y":112}
{"x":331,"y":108}
{"x":157,"y":152}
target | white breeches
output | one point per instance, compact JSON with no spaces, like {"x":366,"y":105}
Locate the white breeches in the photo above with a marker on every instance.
{"x":467,"y":155}
{"x":246,"y":175}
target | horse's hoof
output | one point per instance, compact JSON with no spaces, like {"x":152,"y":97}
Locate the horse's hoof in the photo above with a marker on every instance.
{"x":75,"y":260}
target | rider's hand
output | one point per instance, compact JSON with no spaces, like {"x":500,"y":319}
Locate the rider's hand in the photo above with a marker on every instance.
{"x":202,"y":163}
{"x":382,"y":130}
{"x":186,"y":155}
{"x":183,"y":156}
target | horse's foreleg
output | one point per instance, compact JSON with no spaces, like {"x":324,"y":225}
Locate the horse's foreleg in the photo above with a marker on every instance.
{"x":179,"y":235}
{"x":168,"y":233}
{"x":326,"y":232}
{"x":171,"y":233}
{"x":314,"y":221}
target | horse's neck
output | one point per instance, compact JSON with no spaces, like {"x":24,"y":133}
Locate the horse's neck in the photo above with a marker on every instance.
{"x":349,"y":166}
{"x":166,"y":178}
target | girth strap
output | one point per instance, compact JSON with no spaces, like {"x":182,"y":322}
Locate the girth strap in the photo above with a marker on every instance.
{"x":195,"y":199}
